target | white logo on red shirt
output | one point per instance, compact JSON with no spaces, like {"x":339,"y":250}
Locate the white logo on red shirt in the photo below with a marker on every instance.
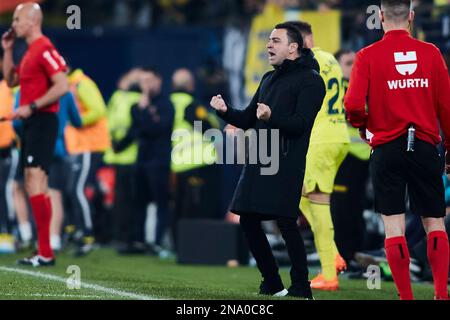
{"x":47,"y":55}
{"x":406,"y":63}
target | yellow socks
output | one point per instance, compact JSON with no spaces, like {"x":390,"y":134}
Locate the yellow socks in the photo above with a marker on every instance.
{"x":324,"y":239}
{"x":319,"y":218}
{"x":305,"y":207}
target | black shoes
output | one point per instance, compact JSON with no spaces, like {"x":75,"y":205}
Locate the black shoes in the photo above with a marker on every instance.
{"x":85,"y":246}
{"x":303,"y":292}
{"x":274,"y":288}
{"x":277,"y":290}
{"x":140,"y":248}
{"x":131,"y":249}
{"x":36,"y":261}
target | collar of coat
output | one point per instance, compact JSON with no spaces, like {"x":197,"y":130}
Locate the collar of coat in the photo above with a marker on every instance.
{"x":306,"y":60}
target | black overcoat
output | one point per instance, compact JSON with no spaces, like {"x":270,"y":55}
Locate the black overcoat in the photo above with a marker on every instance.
{"x":294,"y":91}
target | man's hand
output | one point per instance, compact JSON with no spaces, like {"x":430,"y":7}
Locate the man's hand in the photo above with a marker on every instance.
{"x":144,"y":101}
{"x":218,"y":104}
{"x":230,"y":130}
{"x":23,"y":112}
{"x":363,"y":135}
{"x":154,"y":113}
{"x":8,"y":40}
{"x":263,"y":112}
{"x":447,"y":164}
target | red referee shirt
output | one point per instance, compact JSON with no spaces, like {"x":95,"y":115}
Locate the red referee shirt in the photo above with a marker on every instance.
{"x":40,"y":62}
{"x":403,"y":81}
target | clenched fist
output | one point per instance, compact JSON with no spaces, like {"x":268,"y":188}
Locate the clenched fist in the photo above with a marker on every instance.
{"x":218,"y":104}
{"x":23,"y":112}
{"x":263,"y":112}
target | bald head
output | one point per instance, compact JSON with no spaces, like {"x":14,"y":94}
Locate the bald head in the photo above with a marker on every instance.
{"x":32,"y":11}
{"x":27,"y":19}
{"x":183,"y":80}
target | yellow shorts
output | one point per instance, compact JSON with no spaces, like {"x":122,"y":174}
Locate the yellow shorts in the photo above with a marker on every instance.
{"x":322,"y":164}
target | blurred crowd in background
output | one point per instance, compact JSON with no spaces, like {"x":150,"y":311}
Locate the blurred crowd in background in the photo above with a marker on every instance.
{"x":431,"y":15}
{"x":115,"y":184}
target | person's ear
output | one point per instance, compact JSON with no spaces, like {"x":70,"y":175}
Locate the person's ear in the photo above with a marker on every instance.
{"x":411,"y":17}
{"x":293,"y":47}
{"x":381,"y":15}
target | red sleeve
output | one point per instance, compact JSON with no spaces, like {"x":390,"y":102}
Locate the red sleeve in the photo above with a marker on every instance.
{"x":356,"y":96}
{"x":52,"y":61}
{"x":443,"y":98}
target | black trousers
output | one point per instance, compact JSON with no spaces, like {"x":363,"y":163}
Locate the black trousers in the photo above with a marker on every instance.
{"x":152,"y":185}
{"x":260,"y":248}
{"x":8,"y":165}
{"x":347,"y":206}
{"x":122,"y":211}
{"x":80,"y":209}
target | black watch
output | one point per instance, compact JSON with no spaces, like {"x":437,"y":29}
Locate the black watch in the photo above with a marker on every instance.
{"x":33,"y":107}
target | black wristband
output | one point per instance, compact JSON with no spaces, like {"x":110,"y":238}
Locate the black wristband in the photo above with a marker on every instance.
{"x":33,"y":107}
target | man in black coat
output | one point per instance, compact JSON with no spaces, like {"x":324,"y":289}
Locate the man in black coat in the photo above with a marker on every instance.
{"x":152,"y":123}
{"x":287,"y":101}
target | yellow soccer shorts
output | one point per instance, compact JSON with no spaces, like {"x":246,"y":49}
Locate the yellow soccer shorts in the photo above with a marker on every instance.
{"x":322,"y":164}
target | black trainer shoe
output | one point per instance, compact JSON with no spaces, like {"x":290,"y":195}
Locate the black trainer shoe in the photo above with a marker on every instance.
{"x":153,"y":250}
{"x":298,"y":291}
{"x":85,"y":246}
{"x":275,"y":291}
{"x":36,"y":261}
{"x":134,"y":248}
{"x":373,"y":257}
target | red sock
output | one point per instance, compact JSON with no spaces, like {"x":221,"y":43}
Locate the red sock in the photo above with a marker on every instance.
{"x":397,"y":254}
{"x":438,"y":256}
{"x":42,"y":214}
{"x":49,"y":205}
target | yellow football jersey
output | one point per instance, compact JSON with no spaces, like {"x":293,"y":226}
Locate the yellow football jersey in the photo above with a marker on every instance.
{"x":330,"y":125}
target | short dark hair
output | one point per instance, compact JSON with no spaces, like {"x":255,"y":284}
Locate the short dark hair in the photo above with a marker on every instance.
{"x":342,"y":52}
{"x":303,"y":27}
{"x":396,"y":10}
{"x":152,"y":69}
{"x":293,"y":34}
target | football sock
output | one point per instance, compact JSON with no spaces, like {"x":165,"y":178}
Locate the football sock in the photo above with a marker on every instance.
{"x":42,"y":214}
{"x":397,"y":254}
{"x":438,"y":257}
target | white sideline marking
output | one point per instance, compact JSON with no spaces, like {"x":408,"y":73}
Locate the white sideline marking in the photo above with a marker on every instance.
{"x":96,"y":287}
{"x":46,"y":295}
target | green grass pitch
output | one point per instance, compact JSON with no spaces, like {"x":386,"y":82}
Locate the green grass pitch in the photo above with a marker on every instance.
{"x":109,"y":276}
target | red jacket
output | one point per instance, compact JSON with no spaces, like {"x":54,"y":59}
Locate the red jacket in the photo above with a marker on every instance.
{"x":403,"y":81}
